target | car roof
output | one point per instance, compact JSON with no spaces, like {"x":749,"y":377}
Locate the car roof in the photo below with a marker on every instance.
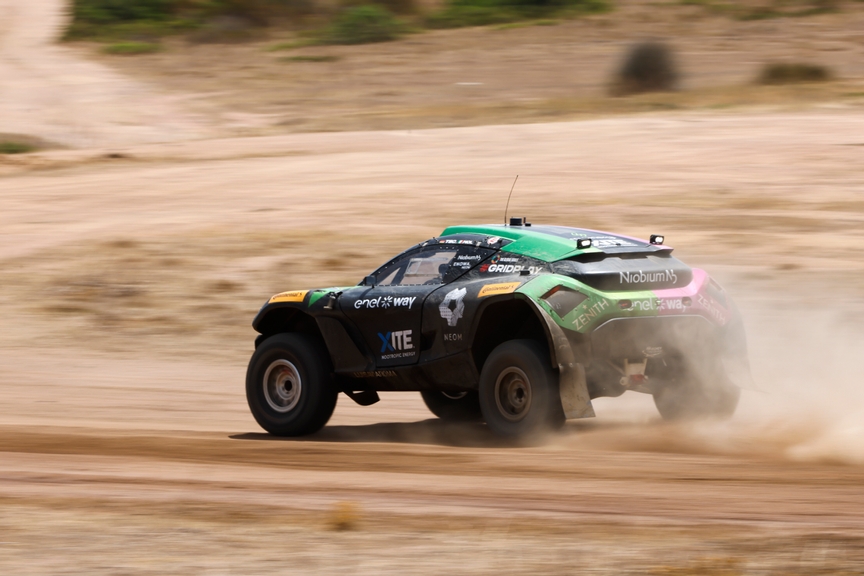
{"x":550,"y":243}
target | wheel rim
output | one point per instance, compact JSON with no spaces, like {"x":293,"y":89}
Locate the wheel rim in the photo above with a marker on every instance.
{"x":513,"y":394}
{"x":455,"y":395}
{"x":282,"y":386}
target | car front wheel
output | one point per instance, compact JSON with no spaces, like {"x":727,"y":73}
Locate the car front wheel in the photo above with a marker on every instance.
{"x":289,"y":387}
{"x":519,"y":391}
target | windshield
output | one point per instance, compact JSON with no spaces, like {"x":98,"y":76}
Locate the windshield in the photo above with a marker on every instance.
{"x":426,"y":267}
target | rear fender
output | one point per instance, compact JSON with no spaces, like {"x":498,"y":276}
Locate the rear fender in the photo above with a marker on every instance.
{"x":572,"y":385}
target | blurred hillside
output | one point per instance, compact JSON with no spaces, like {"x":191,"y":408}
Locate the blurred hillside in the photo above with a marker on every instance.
{"x":271,"y":66}
{"x":233,"y":20}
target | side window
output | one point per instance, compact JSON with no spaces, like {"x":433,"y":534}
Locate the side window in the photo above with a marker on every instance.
{"x":422,"y":267}
{"x":467,"y":258}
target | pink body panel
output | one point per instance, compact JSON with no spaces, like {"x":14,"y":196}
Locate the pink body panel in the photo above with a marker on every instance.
{"x":701,"y":302}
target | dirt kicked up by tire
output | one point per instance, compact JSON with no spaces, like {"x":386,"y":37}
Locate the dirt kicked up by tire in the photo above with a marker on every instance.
{"x":693,"y":399}
{"x":453,"y":407}
{"x":289,"y":386}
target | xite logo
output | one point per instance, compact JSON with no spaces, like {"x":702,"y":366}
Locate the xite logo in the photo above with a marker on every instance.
{"x":393,"y":341}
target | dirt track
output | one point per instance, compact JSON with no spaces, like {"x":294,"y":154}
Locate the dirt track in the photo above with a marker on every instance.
{"x":129,"y":284}
{"x":130,"y":275}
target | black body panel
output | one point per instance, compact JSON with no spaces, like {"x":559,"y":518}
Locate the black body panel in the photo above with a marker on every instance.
{"x":630,"y":272}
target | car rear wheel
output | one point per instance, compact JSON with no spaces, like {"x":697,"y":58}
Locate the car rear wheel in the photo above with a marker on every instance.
{"x":289,"y":387}
{"x":519,"y":391}
{"x":692,"y":397}
{"x":453,"y":407}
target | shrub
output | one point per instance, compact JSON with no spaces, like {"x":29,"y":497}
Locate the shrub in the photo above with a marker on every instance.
{"x":224,"y":30}
{"x":648,"y":67}
{"x":307,"y":58}
{"x":394,"y":6}
{"x":261,"y":12}
{"x":135,"y":18}
{"x":113,"y":11}
{"x":126,"y":18}
{"x":16,"y":147}
{"x":458,"y":13}
{"x":363,"y":25}
{"x":793,"y":73}
{"x":132,"y":48}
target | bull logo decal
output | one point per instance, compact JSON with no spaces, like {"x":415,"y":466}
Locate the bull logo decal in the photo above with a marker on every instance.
{"x":453,"y":307}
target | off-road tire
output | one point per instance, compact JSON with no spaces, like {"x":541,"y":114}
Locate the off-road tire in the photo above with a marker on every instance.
{"x":290,"y":362}
{"x":464,"y":407}
{"x":693,"y":398}
{"x":519,"y":395}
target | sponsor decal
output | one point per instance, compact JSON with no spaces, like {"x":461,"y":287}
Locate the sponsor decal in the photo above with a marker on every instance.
{"x":374,"y":374}
{"x":468,"y":257}
{"x":672,"y":304}
{"x":640,"y":277}
{"x":609,"y":242}
{"x":590,"y":313}
{"x":508,"y":265}
{"x":712,"y":309}
{"x":510,"y":268}
{"x":396,"y":344}
{"x":498,"y":258}
{"x":493,"y":240}
{"x":385,"y":302}
{"x":452,"y":307}
{"x":495,"y":289}
{"x":452,"y":337}
{"x":293,"y":296}
{"x":644,"y":305}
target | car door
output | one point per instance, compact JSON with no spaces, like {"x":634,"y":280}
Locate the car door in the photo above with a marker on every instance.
{"x":389,"y":312}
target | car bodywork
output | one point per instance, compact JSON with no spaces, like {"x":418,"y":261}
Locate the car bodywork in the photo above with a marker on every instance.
{"x":614,"y":312}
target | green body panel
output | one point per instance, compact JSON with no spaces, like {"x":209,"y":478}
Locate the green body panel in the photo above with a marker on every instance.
{"x":599,"y":307}
{"x":526,"y":242}
{"x":319,"y":293}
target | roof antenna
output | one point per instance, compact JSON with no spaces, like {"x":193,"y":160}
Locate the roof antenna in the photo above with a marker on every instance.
{"x":506,"y":208}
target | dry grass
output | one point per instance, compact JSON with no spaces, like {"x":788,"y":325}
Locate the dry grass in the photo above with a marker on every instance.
{"x":794,"y":73}
{"x":344,"y":516}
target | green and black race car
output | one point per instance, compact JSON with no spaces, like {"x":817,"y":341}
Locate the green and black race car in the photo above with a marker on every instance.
{"x":516,"y":325}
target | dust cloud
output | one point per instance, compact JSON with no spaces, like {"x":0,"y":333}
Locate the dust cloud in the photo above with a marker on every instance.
{"x":806,"y":403}
{"x":809,"y":364}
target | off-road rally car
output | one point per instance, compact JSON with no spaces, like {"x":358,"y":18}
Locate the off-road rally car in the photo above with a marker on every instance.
{"x":516,"y":325}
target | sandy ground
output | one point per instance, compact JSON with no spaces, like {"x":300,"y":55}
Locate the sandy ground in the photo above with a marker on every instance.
{"x":51,"y":93}
{"x":131,"y":270}
{"x":129,"y":285}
